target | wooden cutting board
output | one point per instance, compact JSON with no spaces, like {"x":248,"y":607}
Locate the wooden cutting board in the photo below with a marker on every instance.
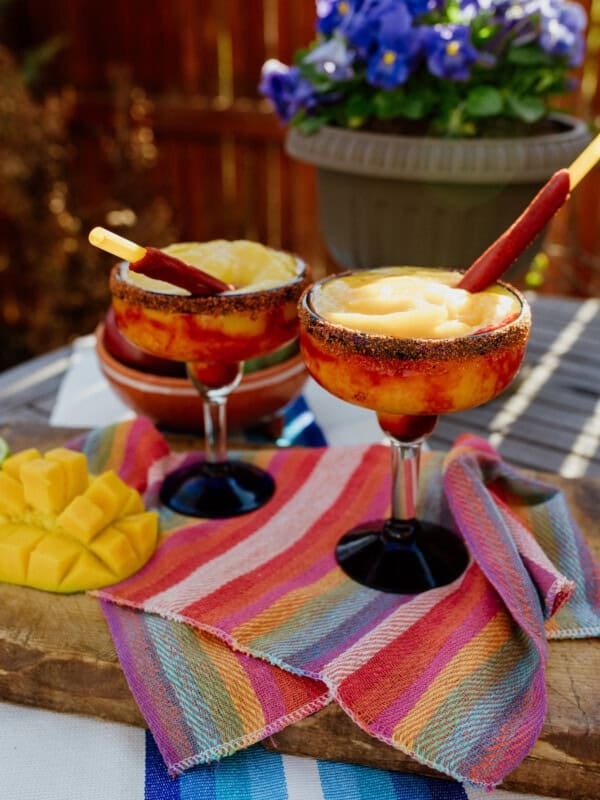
{"x":56,"y":652}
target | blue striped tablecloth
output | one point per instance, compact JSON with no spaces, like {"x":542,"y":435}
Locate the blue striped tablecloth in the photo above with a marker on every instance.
{"x":48,"y":756}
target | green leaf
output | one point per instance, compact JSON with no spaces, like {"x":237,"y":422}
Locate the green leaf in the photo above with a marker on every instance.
{"x":388,"y":104}
{"x":453,"y":11}
{"x":548,"y":80}
{"x":527,"y":55}
{"x":358,"y":106}
{"x":528,"y":109}
{"x":414,"y":108}
{"x":457,"y":125}
{"x":311,"y":124}
{"x":484,"y":101}
{"x":356,"y":110}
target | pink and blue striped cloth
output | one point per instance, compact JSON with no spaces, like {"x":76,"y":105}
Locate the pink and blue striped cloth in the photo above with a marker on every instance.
{"x":236,"y":628}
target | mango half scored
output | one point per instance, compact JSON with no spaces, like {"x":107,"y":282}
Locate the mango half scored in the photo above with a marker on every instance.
{"x":63,"y":530}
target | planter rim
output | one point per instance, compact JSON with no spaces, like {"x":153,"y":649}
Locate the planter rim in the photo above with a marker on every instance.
{"x":528,"y":159}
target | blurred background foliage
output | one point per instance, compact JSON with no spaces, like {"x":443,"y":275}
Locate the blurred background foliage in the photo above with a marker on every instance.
{"x":52,"y":282}
{"x":144,"y":118}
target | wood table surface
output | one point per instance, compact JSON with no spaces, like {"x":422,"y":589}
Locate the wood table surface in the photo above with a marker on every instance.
{"x":549,"y":421}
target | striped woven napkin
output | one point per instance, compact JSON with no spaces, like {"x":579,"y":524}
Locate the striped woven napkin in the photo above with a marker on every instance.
{"x":236,"y":628}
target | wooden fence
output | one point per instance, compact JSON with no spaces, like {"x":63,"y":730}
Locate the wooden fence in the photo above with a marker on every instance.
{"x":220,"y":161}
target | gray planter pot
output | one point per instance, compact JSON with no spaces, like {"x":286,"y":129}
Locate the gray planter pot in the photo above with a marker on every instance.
{"x":422,"y":201}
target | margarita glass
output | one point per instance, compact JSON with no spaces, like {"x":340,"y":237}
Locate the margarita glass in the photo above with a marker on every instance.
{"x":406,"y":343}
{"x":214,"y":334}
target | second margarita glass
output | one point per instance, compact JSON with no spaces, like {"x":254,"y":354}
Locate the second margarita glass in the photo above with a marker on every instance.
{"x":408,"y":379}
{"x":214,"y":335}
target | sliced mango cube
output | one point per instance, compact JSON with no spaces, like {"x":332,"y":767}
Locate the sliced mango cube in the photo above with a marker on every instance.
{"x":87,"y":572}
{"x":43,"y":485}
{"x":109,"y":493}
{"x":133,"y":505}
{"x":115,"y":550}
{"x":15,"y":548}
{"x":75,"y":468}
{"x":82,"y":519}
{"x":12,"y":464}
{"x":50,"y":560}
{"x":12,"y":497}
{"x":63,"y":530}
{"x":142,"y":531}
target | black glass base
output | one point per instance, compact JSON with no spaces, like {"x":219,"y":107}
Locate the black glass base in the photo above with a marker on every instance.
{"x":217,"y":491}
{"x":402,"y":557}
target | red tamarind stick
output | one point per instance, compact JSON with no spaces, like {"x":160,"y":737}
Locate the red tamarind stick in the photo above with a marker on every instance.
{"x":493,"y":263}
{"x":156,"y":264}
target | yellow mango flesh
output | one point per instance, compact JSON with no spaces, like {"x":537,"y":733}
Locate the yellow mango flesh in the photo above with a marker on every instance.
{"x":412,"y":302}
{"x":62,"y":530}
{"x":12,"y":464}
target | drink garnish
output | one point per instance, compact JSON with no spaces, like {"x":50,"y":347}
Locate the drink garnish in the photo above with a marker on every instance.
{"x":494,"y":262}
{"x":156,"y":264}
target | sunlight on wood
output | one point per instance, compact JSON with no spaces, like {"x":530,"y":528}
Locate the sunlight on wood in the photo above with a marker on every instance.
{"x":271,"y":28}
{"x":274,"y":195}
{"x":228,"y":172}
{"x":589,"y":81}
{"x":224,"y":55}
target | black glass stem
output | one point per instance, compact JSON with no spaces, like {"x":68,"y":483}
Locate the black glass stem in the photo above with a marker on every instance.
{"x":402,"y":555}
{"x":218,"y":487}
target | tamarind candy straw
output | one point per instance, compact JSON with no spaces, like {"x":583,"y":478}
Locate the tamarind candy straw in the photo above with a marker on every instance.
{"x":155,"y":264}
{"x":116,"y":245}
{"x":494,"y":262}
{"x":585,"y":161}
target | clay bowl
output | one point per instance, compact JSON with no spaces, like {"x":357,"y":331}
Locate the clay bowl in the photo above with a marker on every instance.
{"x":174,"y":403}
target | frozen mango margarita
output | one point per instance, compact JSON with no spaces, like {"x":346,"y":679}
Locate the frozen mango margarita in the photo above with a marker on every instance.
{"x":407,"y":341}
{"x":410,"y":345}
{"x":255,"y":315}
{"x":236,"y":301}
{"x":408,"y":302}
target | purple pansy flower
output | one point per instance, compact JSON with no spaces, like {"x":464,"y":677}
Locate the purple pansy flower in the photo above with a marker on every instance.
{"x":362,"y":27}
{"x":388,"y":69}
{"x":417,"y":7}
{"x":563,"y":33}
{"x":332,"y":13}
{"x":472,"y":8}
{"x":365,"y":46}
{"x":332,"y":58}
{"x":391,"y":63}
{"x":286,"y":89}
{"x":449,"y":51}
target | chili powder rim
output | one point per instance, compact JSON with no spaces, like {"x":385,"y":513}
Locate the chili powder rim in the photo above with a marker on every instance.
{"x":340,"y":340}
{"x":213,"y":304}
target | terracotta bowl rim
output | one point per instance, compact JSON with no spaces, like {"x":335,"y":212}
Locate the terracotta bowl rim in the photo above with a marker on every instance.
{"x":165,"y":384}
